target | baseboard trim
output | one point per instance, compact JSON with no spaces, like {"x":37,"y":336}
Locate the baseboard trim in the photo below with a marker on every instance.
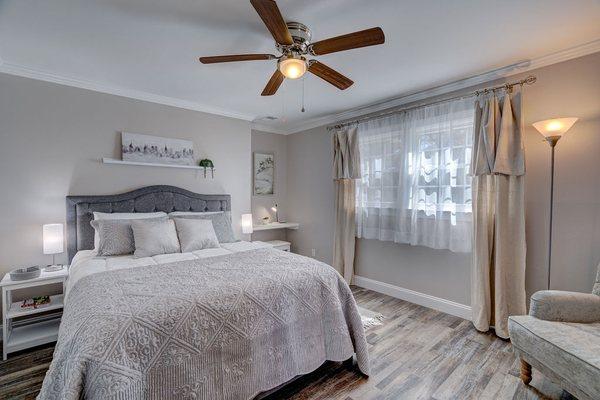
{"x":422,"y":299}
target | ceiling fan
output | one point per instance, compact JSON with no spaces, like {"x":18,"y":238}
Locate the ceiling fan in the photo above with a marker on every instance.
{"x":293,"y":41}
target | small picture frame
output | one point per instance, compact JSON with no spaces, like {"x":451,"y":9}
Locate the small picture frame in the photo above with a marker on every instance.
{"x":263,"y":174}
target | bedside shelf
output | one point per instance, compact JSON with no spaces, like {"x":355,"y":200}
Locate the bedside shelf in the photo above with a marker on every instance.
{"x":31,"y":335}
{"x":27,"y":327}
{"x":15,"y":310}
{"x":145,"y":164}
{"x":276,"y":225}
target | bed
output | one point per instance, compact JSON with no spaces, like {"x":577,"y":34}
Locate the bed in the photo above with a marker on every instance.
{"x":226,"y":323}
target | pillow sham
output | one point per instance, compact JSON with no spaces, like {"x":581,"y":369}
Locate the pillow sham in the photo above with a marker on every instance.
{"x":154,"y":236}
{"x":102,"y":215}
{"x":174,"y":214}
{"x":221,"y":224}
{"x":115,"y":237}
{"x":195,"y":234}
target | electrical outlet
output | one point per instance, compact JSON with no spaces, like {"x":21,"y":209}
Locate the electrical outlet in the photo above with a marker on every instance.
{"x":313,"y":252}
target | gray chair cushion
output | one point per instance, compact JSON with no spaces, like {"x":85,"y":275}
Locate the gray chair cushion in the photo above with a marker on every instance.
{"x":195,"y":234}
{"x":570,"y":350}
{"x":154,"y":236}
{"x":558,"y":305}
{"x":221,"y":224}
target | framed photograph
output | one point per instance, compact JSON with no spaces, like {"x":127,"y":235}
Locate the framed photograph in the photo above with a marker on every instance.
{"x":264,"y":174}
{"x":156,"y":149}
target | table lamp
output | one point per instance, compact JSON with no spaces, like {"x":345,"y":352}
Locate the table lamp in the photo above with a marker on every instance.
{"x":247,"y":223}
{"x":53,"y":242}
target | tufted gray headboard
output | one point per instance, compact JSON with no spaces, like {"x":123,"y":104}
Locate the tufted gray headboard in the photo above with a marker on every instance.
{"x":80,"y":234}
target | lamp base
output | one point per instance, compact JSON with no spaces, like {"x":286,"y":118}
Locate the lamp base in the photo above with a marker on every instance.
{"x":53,"y":268}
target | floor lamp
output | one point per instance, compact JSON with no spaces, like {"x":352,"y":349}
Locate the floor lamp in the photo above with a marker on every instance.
{"x":553,"y":130}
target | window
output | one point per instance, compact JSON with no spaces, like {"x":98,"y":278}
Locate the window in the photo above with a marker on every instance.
{"x":415,"y":185}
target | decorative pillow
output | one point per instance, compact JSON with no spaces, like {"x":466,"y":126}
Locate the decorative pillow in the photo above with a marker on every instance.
{"x":174,"y":214}
{"x":154,"y":236}
{"x":195,"y":234}
{"x":114,"y":237}
{"x":101,"y":215}
{"x":221,"y":223}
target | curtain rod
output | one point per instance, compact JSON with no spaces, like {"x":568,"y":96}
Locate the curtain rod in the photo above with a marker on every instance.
{"x":530,"y":80}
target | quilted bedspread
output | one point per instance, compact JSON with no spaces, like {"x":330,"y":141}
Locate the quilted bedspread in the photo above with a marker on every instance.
{"x":227,"y":327}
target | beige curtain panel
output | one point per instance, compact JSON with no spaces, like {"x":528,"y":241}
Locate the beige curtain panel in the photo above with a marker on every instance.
{"x":346,"y":168}
{"x":498,"y":170}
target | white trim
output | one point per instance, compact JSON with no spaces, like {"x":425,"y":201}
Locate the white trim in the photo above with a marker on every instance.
{"x":422,"y":299}
{"x":27,"y":72}
{"x":257,"y":126}
{"x":520,"y":67}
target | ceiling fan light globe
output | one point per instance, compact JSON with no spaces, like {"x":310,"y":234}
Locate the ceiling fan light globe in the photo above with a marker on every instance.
{"x":292,"y":68}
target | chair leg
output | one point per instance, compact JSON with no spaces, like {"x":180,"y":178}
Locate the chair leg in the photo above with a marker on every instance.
{"x":525,"y":372}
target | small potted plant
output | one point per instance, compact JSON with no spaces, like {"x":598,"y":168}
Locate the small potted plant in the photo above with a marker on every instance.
{"x":206,"y":163}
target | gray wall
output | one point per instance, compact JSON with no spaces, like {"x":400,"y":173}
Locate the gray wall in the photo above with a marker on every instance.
{"x":52,"y":138}
{"x":571,"y":88}
{"x":310,"y":193}
{"x":261,"y":205}
{"x":568,"y":89}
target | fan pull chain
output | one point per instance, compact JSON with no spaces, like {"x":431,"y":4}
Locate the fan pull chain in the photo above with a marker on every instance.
{"x":283,"y":110}
{"x":303,"y":79}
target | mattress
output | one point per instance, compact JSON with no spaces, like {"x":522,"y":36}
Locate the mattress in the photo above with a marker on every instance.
{"x":86,"y":262}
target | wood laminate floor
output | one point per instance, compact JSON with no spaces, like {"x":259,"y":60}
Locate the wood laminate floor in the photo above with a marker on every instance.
{"x":417,"y":353}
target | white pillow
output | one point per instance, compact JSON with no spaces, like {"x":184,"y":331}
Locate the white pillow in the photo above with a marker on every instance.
{"x":103,"y":216}
{"x":184,"y":213}
{"x":154,"y":236}
{"x":196,"y":234}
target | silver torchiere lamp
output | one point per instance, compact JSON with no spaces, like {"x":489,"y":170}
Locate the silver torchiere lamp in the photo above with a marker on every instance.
{"x":553,"y":130}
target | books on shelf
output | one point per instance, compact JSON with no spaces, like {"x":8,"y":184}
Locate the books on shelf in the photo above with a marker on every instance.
{"x":35,"y":302}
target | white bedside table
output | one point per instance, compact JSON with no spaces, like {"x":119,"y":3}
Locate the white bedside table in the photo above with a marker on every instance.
{"x":36,"y":333}
{"x":280,"y":244}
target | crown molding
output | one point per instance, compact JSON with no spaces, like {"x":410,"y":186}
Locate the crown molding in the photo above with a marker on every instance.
{"x":257,"y":126}
{"x":513,"y":69}
{"x":447,"y":87}
{"x":27,"y":72}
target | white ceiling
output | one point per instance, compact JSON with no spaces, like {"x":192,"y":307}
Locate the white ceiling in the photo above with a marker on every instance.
{"x":152,"y":47}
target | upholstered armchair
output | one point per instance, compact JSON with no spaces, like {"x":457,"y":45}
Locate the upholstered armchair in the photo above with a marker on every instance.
{"x":561,"y":338}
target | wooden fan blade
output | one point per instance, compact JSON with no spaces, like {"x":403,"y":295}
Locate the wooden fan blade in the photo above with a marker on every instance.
{"x":273,"y":84}
{"x":330,"y":75}
{"x":236,"y":57}
{"x":368,"y":37}
{"x":271,"y":16}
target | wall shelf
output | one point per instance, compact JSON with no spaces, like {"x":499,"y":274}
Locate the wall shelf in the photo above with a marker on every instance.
{"x":276,"y":225}
{"x":106,"y":160}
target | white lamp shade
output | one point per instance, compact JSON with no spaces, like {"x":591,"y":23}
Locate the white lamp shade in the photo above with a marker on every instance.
{"x":247,"y":223}
{"x":292,"y":68}
{"x":554,"y":126}
{"x":53,"y":238}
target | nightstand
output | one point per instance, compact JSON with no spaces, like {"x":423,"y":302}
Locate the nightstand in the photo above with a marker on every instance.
{"x":21,"y":335}
{"x":280,"y":245}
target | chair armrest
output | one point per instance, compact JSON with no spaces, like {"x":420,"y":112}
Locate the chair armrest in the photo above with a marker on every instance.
{"x":555,"y":305}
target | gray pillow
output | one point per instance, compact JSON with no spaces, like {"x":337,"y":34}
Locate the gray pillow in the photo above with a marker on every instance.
{"x":195,"y":234}
{"x":114,"y":237}
{"x":221,"y":224}
{"x":154,"y":236}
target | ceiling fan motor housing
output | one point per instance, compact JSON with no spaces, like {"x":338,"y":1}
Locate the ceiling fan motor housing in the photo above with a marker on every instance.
{"x":301,"y":36}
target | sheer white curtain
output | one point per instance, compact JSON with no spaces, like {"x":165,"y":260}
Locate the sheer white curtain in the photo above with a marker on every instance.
{"x":415,"y":186}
